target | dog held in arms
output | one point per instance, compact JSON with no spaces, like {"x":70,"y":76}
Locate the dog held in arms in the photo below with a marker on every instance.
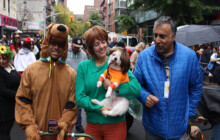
{"x":118,"y":66}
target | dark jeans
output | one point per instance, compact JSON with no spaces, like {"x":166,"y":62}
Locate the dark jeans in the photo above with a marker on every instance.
{"x":151,"y":136}
{"x":215,"y":132}
{"x":79,"y":117}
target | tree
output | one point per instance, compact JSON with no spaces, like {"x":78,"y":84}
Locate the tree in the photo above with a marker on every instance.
{"x":64,"y":18}
{"x":94,"y":19}
{"x":183,"y":11}
{"x":126,"y":23}
{"x":68,"y":19}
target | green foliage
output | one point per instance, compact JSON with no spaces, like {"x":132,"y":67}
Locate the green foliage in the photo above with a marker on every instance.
{"x":76,"y":25}
{"x":95,"y":19}
{"x":126,"y":23}
{"x":183,"y":11}
{"x":62,"y":18}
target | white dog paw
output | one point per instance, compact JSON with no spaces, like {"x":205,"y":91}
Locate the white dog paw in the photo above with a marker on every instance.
{"x":104,"y":112}
{"x":94,"y":101}
{"x":99,"y":84}
{"x":107,"y":95}
{"x":109,"y":92}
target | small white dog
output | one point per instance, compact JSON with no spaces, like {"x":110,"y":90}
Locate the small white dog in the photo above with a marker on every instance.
{"x":118,"y":66}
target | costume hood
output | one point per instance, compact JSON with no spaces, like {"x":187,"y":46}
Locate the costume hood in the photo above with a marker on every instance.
{"x":58,"y":33}
{"x":23,"y":51}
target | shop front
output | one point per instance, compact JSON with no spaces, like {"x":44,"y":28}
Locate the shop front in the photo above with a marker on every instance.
{"x":7,"y":26}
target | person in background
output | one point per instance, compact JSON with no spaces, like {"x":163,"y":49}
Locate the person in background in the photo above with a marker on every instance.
{"x":76,"y":55}
{"x":124,"y":45}
{"x":114,"y":42}
{"x":9,"y":82}
{"x":209,"y":107}
{"x":210,"y":48}
{"x":34,"y":48}
{"x":109,"y":40}
{"x":140,"y":47}
{"x":88,"y":72}
{"x":25,"y":56}
{"x":171,"y":81}
{"x":47,"y":90}
{"x":4,"y":40}
{"x":15,"y":47}
{"x":37,"y":43}
{"x":215,"y":59}
{"x":205,"y":57}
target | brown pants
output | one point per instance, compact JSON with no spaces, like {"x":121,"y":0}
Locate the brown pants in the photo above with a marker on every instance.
{"x":116,"y":131}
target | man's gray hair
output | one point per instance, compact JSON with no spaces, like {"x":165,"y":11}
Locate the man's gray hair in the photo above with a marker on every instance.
{"x":169,"y":20}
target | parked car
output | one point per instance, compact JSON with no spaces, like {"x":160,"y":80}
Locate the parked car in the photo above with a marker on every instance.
{"x":131,"y":41}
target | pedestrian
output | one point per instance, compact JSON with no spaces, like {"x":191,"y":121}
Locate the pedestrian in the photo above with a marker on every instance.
{"x":34,"y":48}
{"x":133,"y":60}
{"x":37,"y":43}
{"x":88,"y":72}
{"x":9,"y":82}
{"x":209,"y":107}
{"x":16,"y":44}
{"x":76,"y":55}
{"x":47,"y":90}
{"x":114,"y":42}
{"x":25,"y":56}
{"x":171,"y":81}
{"x":4,"y":40}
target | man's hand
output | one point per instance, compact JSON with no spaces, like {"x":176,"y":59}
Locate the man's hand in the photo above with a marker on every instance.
{"x":55,"y":130}
{"x":63,"y":129}
{"x":31,"y":132}
{"x":106,"y":83}
{"x":151,"y":101}
{"x":210,"y":75}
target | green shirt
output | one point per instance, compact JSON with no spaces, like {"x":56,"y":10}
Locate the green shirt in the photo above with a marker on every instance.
{"x":86,"y":89}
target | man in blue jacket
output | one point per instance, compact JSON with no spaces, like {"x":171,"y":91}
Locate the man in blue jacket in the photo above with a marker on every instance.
{"x":171,"y":81}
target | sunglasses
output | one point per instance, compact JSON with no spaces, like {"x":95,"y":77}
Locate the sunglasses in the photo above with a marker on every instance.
{"x":59,"y":44}
{"x":17,"y":38}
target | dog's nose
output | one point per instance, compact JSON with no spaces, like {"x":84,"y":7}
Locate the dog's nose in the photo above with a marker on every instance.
{"x":115,"y":59}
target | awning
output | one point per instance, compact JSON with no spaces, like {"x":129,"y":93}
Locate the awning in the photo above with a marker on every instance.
{"x":10,"y":28}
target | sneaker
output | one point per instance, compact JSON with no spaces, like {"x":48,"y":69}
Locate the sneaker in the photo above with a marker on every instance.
{"x":80,"y":129}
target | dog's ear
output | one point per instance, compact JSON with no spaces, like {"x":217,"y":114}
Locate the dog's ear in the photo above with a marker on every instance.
{"x":111,"y":50}
{"x":125,"y":61}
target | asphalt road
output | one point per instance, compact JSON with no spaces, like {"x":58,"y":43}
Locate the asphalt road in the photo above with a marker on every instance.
{"x":136,"y":132}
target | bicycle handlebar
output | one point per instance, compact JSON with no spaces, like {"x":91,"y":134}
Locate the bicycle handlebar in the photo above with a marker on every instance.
{"x":69,"y":135}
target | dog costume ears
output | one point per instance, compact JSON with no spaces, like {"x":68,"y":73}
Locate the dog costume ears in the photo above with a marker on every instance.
{"x":58,"y":33}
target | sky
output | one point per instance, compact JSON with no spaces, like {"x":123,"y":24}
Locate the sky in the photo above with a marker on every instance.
{"x":77,"y":6}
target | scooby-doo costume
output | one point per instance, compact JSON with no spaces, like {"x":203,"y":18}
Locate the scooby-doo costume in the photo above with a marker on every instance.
{"x":47,"y":90}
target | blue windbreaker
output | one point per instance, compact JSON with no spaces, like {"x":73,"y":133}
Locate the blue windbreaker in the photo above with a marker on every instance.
{"x":169,"y":117}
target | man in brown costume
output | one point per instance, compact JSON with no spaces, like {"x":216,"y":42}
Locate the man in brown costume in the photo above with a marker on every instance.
{"x":47,"y":89}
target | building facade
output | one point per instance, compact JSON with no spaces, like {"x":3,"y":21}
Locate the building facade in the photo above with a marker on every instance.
{"x":8,"y":18}
{"x":87,"y":11}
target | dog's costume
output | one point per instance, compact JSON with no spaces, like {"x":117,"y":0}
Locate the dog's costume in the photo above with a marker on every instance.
{"x":115,"y":76}
{"x":47,"y":90}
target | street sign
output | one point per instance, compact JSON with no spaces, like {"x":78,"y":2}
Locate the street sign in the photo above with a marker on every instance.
{"x":42,"y":22}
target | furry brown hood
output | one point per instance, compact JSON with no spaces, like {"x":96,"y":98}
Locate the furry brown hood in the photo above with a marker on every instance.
{"x":59,"y":33}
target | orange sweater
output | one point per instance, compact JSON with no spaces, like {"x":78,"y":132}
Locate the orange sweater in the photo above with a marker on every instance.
{"x":117,"y":76}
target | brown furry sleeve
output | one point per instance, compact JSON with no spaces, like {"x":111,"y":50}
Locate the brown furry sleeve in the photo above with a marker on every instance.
{"x":23,"y":108}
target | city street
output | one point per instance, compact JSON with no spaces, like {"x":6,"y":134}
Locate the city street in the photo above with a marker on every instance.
{"x":136,"y":132}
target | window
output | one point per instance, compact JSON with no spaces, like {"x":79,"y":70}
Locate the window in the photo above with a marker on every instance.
{"x":9,"y":6}
{"x":4,"y":4}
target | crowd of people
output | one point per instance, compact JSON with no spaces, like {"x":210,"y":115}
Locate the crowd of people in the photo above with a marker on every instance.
{"x":56,"y":79}
{"x":208,"y":57}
